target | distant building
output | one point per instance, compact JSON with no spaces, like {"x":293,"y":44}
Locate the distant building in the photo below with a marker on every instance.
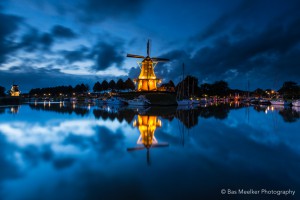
{"x":166,"y":88}
{"x":14,"y":91}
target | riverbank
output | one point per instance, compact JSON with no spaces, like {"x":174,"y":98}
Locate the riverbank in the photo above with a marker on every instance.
{"x":10,"y":100}
{"x":156,"y":98}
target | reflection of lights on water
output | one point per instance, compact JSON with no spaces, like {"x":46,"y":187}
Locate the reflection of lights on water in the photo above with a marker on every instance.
{"x":89,"y":106}
{"x":73,"y":106}
{"x":266,"y":111}
{"x":272,"y":108}
{"x":49,"y":104}
{"x":35,"y":103}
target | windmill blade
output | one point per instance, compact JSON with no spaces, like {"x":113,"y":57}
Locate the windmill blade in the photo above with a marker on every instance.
{"x":160,"y":59}
{"x":160,"y":145}
{"x":134,"y":56}
{"x":135,"y":148}
{"x":148,"y":48}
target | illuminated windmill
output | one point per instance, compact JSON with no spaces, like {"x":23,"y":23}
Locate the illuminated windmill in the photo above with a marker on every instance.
{"x":147,"y":80}
{"x":147,"y":126}
{"x":14,"y":91}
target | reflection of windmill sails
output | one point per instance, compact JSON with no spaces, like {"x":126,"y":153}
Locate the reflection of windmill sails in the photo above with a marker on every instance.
{"x":147,"y":80}
{"x":147,"y":126}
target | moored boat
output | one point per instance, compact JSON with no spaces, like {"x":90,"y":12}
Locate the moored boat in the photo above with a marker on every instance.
{"x":279,"y":102}
{"x":115,"y":101}
{"x":184,"y":102}
{"x":140,"y":101}
{"x":296,"y":103}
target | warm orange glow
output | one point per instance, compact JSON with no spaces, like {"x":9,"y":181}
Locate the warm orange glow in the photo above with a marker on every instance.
{"x":15,"y":92}
{"x":147,"y":80}
{"x":147,"y":126}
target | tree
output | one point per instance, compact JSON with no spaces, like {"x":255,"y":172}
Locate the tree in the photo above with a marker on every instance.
{"x":104,"y":85}
{"x":2,"y":91}
{"x":259,"y":92}
{"x":205,"y":89}
{"x":81,"y":88}
{"x":290,"y":90}
{"x":171,"y":84}
{"x":112,"y":85}
{"x":187,"y":87}
{"x":129,"y":84}
{"x":120,"y":85}
{"x":97,"y":87}
{"x":87,"y":87}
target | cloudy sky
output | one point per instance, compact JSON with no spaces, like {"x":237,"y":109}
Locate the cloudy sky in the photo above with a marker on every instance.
{"x":54,"y":42}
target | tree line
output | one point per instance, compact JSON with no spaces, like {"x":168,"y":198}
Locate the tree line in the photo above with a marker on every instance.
{"x":112,"y":85}
{"x":84,"y":88}
{"x":189,"y":87}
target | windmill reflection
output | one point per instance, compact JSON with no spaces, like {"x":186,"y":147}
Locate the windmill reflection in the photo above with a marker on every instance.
{"x":147,"y":125}
{"x":14,"y":109}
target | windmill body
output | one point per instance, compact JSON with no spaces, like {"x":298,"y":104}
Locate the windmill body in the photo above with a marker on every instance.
{"x":14,"y":91}
{"x":147,"y":80}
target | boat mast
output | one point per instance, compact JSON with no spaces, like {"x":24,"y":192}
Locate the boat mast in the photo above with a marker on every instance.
{"x":248,"y":86}
{"x":183,"y":79}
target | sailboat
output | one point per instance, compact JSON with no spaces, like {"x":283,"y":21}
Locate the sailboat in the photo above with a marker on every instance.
{"x":181,"y":101}
{"x":279,"y":102}
{"x":296,"y":103}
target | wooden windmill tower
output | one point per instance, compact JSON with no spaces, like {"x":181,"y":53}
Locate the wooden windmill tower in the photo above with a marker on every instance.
{"x":147,"y":80}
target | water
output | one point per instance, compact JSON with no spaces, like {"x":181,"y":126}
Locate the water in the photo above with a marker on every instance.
{"x":70,"y":151}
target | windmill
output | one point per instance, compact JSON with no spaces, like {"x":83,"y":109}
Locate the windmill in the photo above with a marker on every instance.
{"x":147,"y":126}
{"x":147,"y":80}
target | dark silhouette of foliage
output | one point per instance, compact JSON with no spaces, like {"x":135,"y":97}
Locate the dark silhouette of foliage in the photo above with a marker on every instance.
{"x":290,"y":90}
{"x":120,"y":85}
{"x":97,"y":87}
{"x":112,"y":85}
{"x":129,"y":84}
{"x":104,"y":85}
{"x":2,"y":91}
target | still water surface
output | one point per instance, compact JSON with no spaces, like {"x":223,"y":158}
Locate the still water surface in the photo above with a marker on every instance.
{"x":70,"y":151}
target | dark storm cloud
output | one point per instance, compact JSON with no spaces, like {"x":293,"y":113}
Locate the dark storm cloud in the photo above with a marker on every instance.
{"x":107,"y":54}
{"x":89,"y":11}
{"x":9,"y":24}
{"x":97,"y":10}
{"x":36,"y":40}
{"x":251,"y":13}
{"x":263,"y":55}
{"x":80,"y":54}
{"x":62,"y":32}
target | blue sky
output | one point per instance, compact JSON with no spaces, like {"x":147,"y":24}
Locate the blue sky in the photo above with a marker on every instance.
{"x":48,"y":43}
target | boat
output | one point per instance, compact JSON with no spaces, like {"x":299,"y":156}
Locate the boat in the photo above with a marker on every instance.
{"x":296,"y":103}
{"x":139,"y":101}
{"x":279,"y":102}
{"x":263,"y":101}
{"x":181,"y":101}
{"x":73,"y":100}
{"x":89,"y":100}
{"x":115,"y":101}
{"x":196,"y":101}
